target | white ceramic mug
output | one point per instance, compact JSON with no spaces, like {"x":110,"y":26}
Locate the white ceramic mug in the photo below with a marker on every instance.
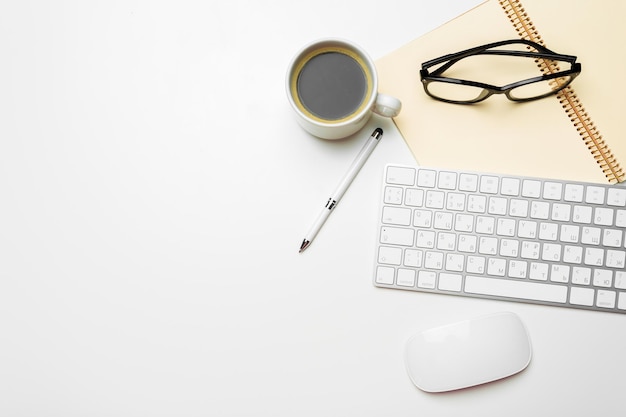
{"x":332,"y":86}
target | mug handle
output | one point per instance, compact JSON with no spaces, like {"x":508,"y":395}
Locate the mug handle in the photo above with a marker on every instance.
{"x":387,"y":106}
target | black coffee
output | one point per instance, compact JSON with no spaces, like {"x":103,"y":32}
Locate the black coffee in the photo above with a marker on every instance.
{"x":332,"y":85}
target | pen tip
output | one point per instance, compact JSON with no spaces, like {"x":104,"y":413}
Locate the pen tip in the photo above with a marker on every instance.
{"x":378,"y":132}
{"x":305,"y":244}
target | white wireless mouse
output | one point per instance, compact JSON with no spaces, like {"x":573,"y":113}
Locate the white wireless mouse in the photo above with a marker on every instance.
{"x":468,"y":353}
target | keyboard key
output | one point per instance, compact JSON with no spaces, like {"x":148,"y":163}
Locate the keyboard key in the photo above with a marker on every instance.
{"x":397,"y":236}
{"x":496,"y":267}
{"x":531,"y":188}
{"x":413,"y":257}
{"x":582,"y":214}
{"x":548,"y":231}
{"x":539,"y":210}
{"x":620,"y":280}
{"x":488,"y":246}
{"x":425,"y":239}
{"x":397,"y":215}
{"x":573,"y":254}
{"x":574,"y":193}
{"x":602,"y":278}
{"x":446,"y":241}
{"x":516,"y":289}
{"x":400,"y":175}
{"x":509,"y":248}
{"x":594,"y":256}
{"x":510,"y":186}
{"x":447,"y":180}
{"x":559,"y":273}
{"x":518,"y":269}
{"x":389,"y":255}
{"x":489,"y":184}
{"x":455,"y":202}
{"x":612,"y":238}
{"x":422,"y":218}
{"x":467,"y":243}
{"x":435,"y":199}
{"x":426,"y":178}
{"x":603,"y":216}
{"x":464,"y":222}
{"x":552,"y":190}
{"x":582,"y":296}
{"x":385,"y":275}
{"x":426,"y":279}
{"x":539,"y":271}
{"x":393,"y":195}
{"x":477,"y":203}
{"x":485,"y":225}
{"x":433,"y":260}
{"x":518,"y":208}
{"x":616,"y":197}
{"x":530,"y":250}
{"x":615,"y":258}
{"x":443,"y":220}
{"x":591,"y":235}
{"x":450,"y":282}
{"x":406,"y":277}
{"x":505,"y":227}
{"x":476,"y":264}
{"x":468,"y":182}
{"x":527,"y":229}
{"x":551,"y":252}
{"x":605,"y":299}
{"x":569,"y":233}
{"x":455,"y":262}
{"x":414,"y":197}
{"x":561,"y":212}
{"x":497,"y":206}
{"x":581,"y":276}
{"x":595,"y":195}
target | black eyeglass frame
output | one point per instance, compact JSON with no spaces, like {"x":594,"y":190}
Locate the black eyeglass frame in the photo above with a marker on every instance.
{"x":488,"y":90}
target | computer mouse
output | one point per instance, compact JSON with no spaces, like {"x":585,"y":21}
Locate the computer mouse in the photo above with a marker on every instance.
{"x":468,"y":353}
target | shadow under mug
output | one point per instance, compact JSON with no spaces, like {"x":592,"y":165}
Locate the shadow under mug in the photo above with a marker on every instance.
{"x":332,"y":86}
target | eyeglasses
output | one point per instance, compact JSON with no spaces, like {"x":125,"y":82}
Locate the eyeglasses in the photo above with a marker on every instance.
{"x":458,"y":91}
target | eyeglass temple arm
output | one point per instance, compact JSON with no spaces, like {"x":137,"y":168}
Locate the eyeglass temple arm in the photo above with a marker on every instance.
{"x":477,"y":49}
{"x":484,"y":50}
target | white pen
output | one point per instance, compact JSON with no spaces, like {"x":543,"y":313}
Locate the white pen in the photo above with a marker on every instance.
{"x":342,"y":187}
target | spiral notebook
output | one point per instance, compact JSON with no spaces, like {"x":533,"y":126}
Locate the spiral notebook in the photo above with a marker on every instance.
{"x":575,"y":135}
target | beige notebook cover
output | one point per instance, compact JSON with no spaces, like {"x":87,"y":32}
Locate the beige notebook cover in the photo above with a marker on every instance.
{"x":576,"y":135}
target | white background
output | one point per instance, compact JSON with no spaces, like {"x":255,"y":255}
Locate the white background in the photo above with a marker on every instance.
{"x":154,"y":191}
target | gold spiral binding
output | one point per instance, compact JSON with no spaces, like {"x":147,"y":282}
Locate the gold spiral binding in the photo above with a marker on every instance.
{"x":570,"y":102}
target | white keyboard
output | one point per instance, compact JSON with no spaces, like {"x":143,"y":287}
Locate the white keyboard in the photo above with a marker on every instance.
{"x":503,"y":237}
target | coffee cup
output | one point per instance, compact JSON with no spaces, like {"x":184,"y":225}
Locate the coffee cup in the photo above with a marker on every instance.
{"x":332,"y":86}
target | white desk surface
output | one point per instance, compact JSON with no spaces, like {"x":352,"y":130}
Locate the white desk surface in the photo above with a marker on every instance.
{"x":154,"y":191}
